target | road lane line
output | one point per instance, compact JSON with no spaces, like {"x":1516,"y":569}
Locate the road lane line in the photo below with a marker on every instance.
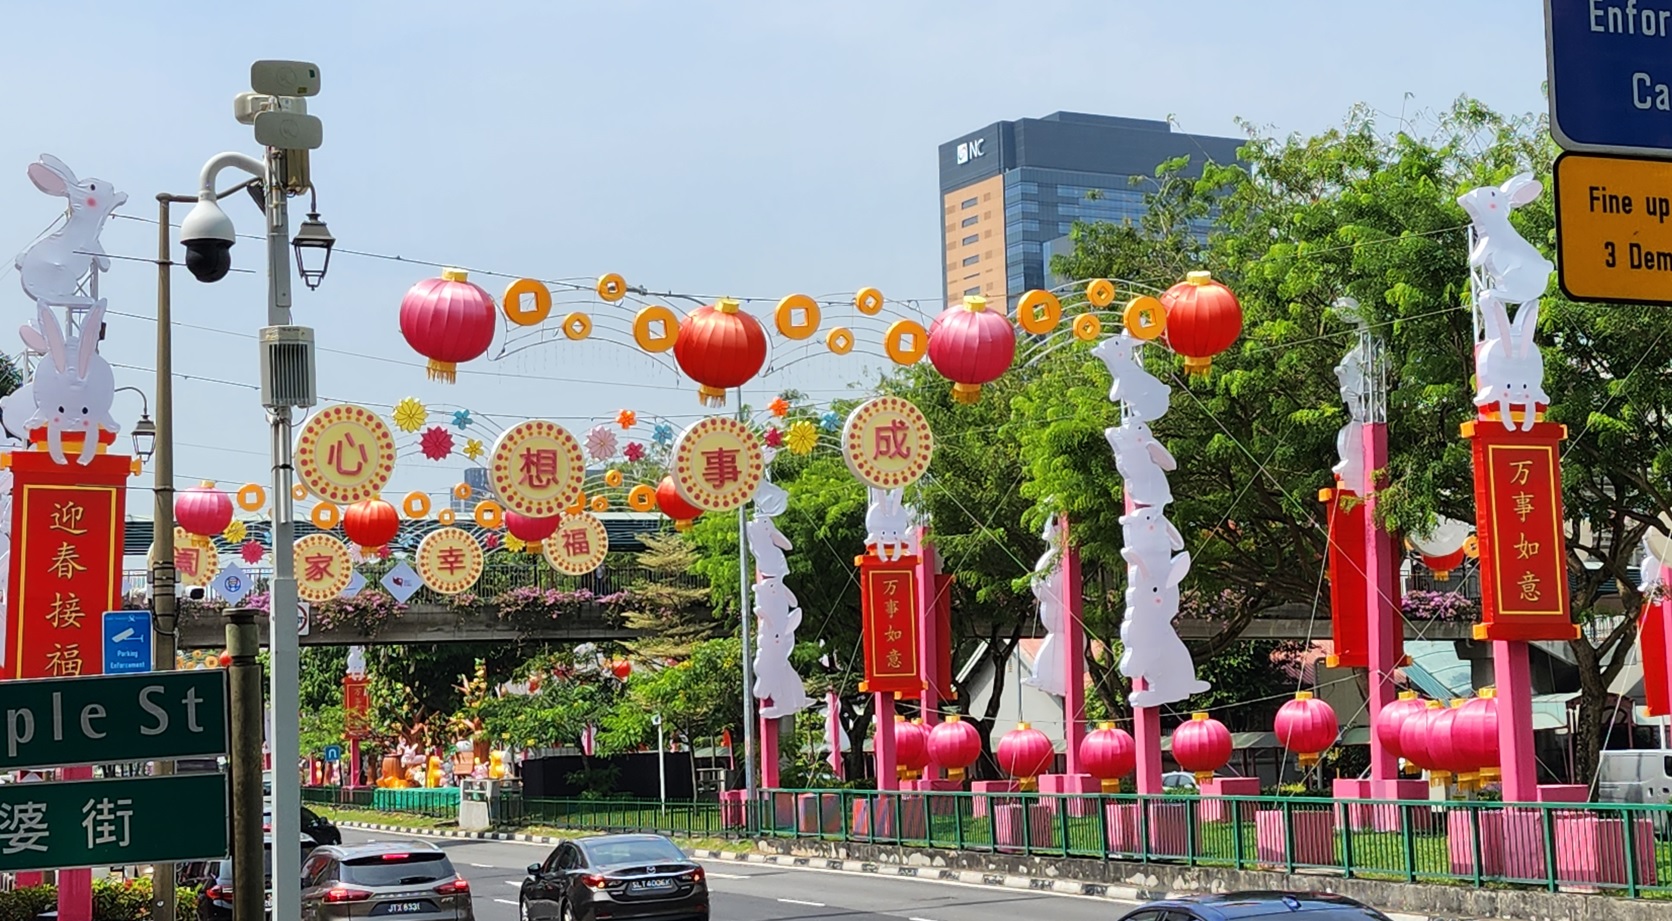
{"x":505,"y":901}
{"x":920,"y":919}
{"x":800,"y":902}
{"x":512,"y":882}
{"x":484,"y":866}
{"x":718,"y":875}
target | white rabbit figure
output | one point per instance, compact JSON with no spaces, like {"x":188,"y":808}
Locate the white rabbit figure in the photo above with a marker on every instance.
{"x":71,"y":397}
{"x":357,"y":660}
{"x":1048,"y":560}
{"x":1152,"y":648}
{"x":1050,"y":673}
{"x":887,"y":524}
{"x":1509,"y":366}
{"x":1446,"y":537}
{"x":775,"y":604}
{"x":1518,"y":272}
{"x":1352,"y":373}
{"x":15,"y":409}
{"x":1350,"y":470}
{"x":1142,"y":461}
{"x":1648,"y":572}
{"x":51,"y":269}
{"x":775,"y":678}
{"x":1147,"y":532}
{"x":767,"y":544}
{"x":1145,"y":396}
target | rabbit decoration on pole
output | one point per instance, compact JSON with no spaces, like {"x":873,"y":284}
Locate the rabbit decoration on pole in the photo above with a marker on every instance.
{"x":1506,"y":270}
{"x":1049,"y":674}
{"x":1354,"y":374}
{"x":52,"y":269}
{"x":777,"y":612}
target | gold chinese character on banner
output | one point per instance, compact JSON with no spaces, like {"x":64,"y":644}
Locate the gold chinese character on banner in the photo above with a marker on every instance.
{"x":895,"y":660}
{"x":891,"y":607}
{"x":1526,"y":549}
{"x":66,"y":613}
{"x":1520,"y":472}
{"x":66,"y":563}
{"x":66,"y":517}
{"x":893,"y":634}
{"x":1523,"y":505}
{"x":64,"y":661}
{"x":1529,"y":586}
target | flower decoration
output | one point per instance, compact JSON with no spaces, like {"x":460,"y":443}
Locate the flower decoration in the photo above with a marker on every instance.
{"x":779,"y":406}
{"x":383,"y":552}
{"x":803,"y":437}
{"x":473,"y":448}
{"x":490,"y":540}
{"x":461,"y":419}
{"x":356,"y":553}
{"x":774,"y":437}
{"x":830,"y":421}
{"x":436,"y":443}
{"x":626,"y":419}
{"x":235,"y":532}
{"x":410,"y":415}
{"x":514,"y":543}
{"x":663,"y":435}
{"x":252,"y":552}
{"x":634,"y":452}
{"x":600,"y":443}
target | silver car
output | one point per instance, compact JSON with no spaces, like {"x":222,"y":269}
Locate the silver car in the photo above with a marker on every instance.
{"x":406,"y":879}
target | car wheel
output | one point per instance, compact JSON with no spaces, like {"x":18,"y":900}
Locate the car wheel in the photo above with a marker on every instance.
{"x":565,"y":913}
{"x":522,"y":909}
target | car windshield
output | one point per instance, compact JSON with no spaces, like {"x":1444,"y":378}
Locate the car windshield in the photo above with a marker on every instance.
{"x":636,"y":850}
{"x":397,"y":869}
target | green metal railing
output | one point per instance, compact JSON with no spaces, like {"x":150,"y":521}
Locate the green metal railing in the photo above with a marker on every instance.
{"x":437,"y":803}
{"x":684,"y":820}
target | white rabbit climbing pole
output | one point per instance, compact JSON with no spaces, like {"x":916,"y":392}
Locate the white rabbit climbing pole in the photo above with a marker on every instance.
{"x":777,"y":615}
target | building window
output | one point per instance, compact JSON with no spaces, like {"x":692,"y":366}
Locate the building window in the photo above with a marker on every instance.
{"x":1065,"y":228}
{"x":969,"y":203}
{"x":974,"y":290}
{"x":971,"y":239}
{"x":969,"y":221}
{"x":1019,"y":226}
{"x":972,"y":260}
{"x":1021,"y":207}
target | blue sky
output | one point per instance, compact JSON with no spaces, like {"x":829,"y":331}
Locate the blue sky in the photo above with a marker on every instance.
{"x":742,"y":148}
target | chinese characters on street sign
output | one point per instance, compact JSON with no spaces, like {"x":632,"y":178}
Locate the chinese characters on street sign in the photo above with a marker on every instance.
{"x":345,"y":454}
{"x":887,"y":442}
{"x":1523,"y":555}
{"x":105,"y":823}
{"x":578,"y":546}
{"x":536,"y":469}
{"x":888,"y":599}
{"x":1613,"y":234}
{"x":717,"y":464}
{"x":65,"y":563}
{"x":103,"y":719}
{"x":323,"y":567}
{"x":449,"y":560}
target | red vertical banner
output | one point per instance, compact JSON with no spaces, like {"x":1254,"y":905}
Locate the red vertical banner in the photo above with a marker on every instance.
{"x":1349,"y":621}
{"x":66,"y":563}
{"x":1654,"y":639}
{"x":357,"y":707}
{"x":888,"y":598}
{"x":1523,"y":552}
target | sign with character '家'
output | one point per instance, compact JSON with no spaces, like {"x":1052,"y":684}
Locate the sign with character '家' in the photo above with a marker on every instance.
{"x":1523,"y":553}
{"x":888,"y":597}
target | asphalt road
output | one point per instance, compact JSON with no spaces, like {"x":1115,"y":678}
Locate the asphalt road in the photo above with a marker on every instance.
{"x":752,"y":892}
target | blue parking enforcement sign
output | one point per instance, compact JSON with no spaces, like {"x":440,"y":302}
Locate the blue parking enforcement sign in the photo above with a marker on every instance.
{"x":333,"y":753}
{"x":127,"y":642}
{"x":1610,"y":69}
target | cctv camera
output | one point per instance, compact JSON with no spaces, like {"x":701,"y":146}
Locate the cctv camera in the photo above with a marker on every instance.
{"x":208,"y":235}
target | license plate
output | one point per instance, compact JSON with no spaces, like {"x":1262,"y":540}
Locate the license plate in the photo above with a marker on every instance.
{"x":405,"y":908}
{"x":269,"y":901}
{"x":652,"y":884}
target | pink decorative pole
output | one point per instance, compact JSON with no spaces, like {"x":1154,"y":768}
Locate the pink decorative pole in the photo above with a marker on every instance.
{"x":936,"y":686}
{"x":1513,"y":674}
{"x":888,"y":774}
{"x":1381,"y":582}
{"x":1074,"y":650}
{"x":1146,"y":730}
{"x":769,"y":750}
{"x":833,"y":713}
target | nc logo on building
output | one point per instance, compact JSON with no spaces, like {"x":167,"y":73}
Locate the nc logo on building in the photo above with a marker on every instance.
{"x":970,"y":150}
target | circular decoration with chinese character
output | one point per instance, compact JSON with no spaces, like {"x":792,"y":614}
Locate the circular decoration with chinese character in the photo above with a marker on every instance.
{"x":323,"y":567}
{"x":717,"y":464}
{"x":449,"y":560}
{"x":537,"y":468}
{"x":345,"y":454}
{"x":578,"y":545}
{"x":887,"y":442}
{"x":195,"y":561}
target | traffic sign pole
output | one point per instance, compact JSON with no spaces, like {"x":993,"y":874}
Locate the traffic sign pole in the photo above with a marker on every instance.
{"x":249,"y":899}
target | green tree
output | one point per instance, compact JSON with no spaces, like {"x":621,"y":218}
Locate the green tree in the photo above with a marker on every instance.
{"x":698,"y":698}
{"x":671,"y":617}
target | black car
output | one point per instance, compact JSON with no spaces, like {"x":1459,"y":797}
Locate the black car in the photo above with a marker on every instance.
{"x":1234,"y":906}
{"x":314,"y":825}
{"x":614,"y":877}
{"x":214,"y":902}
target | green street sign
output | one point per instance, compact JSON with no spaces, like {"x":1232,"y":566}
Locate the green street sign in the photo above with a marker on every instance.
{"x":56,"y":722}
{"x":112,"y":823}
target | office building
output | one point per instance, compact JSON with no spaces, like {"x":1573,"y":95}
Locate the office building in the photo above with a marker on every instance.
{"x":1011,"y":191}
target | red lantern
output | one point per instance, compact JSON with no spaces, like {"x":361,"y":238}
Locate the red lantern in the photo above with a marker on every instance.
{"x":970,"y":345}
{"x":621,"y":669}
{"x":203,"y":510}
{"x":954,"y":745}
{"x":1024,"y":753}
{"x":530,"y":530}
{"x":1108,"y":754}
{"x":225,"y":660}
{"x":669,"y":501}
{"x":911,"y":748}
{"x":1203,"y":319}
{"x":1476,"y":730}
{"x":1306,"y":726}
{"x":447,"y":320}
{"x":1415,"y":734}
{"x":1202,"y":746}
{"x":371,"y":523}
{"x":1392,"y":718}
{"x":719,"y":347}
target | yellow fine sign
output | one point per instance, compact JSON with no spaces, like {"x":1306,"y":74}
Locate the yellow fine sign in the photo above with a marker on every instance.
{"x":1613,"y":233}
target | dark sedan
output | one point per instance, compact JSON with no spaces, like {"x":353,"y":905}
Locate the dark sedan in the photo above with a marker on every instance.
{"x":1234,"y":906}
{"x":615,"y":877}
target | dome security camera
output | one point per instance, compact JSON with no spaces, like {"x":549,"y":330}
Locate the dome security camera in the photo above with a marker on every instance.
{"x":208,"y":235}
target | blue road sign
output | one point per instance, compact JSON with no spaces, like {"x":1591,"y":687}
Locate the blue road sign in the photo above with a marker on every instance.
{"x":1610,"y":68}
{"x":127,"y":642}
{"x":333,"y":753}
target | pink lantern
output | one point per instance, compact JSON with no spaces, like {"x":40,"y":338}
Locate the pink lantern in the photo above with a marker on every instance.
{"x":1024,"y":753}
{"x":954,"y":745}
{"x":530,"y":530}
{"x":970,"y":346}
{"x":1449,"y":760}
{"x":203,"y":510}
{"x":911,"y":748}
{"x":1202,"y":746}
{"x":1108,"y":754}
{"x":447,"y":320}
{"x":1306,"y":726}
{"x":1476,"y":729}
{"x":1392,"y":717}
{"x":1414,"y":735}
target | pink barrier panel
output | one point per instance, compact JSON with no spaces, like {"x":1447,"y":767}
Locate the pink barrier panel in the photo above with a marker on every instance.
{"x":1010,"y":829}
{"x":783,"y":810}
{"x":981,"y":803}
{"x":1460,"y":841}
{"x":1166,"y":836}
{"x":1592,"y":849}
{"x":1314,"y":836}
{"x":819,"y":813}
{"x":1076,"y":790}
{"x":733,"y":810}
{"x":1360,"y":816}
{"x":1523,"y":844}
{"x":1214,"y":809}
{"x":875,"y":818}
{"x":938,"y":805}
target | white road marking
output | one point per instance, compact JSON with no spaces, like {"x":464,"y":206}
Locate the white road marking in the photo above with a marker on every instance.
{"x":920,"y":919}
{"x":718,"y":875}
{"x":505,"y":901}
{"x":513,"y":882}
{"x":800,"y":902}
{"x":484,"y":866}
